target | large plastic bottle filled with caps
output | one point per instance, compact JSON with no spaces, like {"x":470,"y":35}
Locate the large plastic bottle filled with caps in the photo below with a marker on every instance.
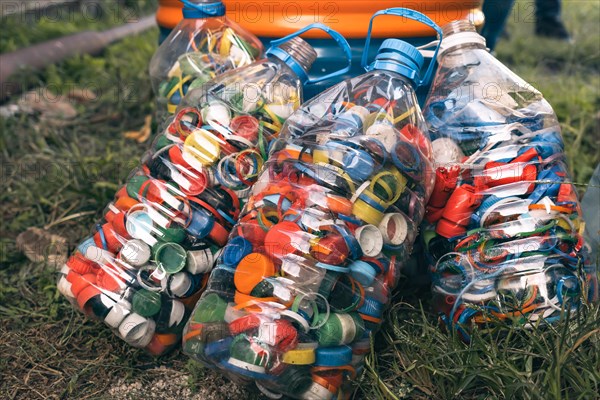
{"x":310,"y":267}
{"x":202,"y":46}
{"x":146,"y":262}
{"x":505,"y":230}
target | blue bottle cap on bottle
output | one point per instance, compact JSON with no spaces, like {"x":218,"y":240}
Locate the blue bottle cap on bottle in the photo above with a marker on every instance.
{"x":194,"y":9}
{"x":401,"y":57}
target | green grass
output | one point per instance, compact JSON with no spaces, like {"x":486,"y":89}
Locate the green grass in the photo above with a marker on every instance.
{"x":51,"y":172}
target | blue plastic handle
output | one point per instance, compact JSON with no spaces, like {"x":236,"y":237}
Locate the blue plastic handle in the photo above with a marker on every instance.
{"x":416,"y":16}
{"x":340,"y":40}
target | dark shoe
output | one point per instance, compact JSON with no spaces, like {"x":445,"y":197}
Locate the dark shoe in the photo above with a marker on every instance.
{"x":552,"y":29}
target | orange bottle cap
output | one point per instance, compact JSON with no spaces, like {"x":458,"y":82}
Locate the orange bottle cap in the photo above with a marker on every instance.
{"x":251,"y":270}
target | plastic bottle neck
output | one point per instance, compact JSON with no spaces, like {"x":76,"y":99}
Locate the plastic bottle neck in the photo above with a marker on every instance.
{"x":297,"y":54}
{"x":458,"y":35}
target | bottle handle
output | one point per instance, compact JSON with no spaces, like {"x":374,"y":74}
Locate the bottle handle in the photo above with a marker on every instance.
{"x":339,"y":39}
{"x":411,"y":14}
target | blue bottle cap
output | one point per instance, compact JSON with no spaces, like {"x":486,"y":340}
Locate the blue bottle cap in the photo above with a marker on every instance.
{"x":358,"y":164}
{"x":236,"y":249}
{"x":201,"y":223}
{"x":401,"y":57}
{"x":363,"y":272}
{"x":219,"y":349}
{"x":336,"y":356}
{"x":371,"y":307}
{"x":193,"y":9}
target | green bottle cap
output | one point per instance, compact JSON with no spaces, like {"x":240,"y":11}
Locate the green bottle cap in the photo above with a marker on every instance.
{"x":161,"y":141}
{"x":170,"y":256}
{"x":134,"y":185}
{"x":173,"y":235}
{"x":210,"y":308}
{"x":242,"y":350}
{"x":146,"y":303}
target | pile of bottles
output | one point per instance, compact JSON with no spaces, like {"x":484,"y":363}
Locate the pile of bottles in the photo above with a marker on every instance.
{"x":269,"y":234}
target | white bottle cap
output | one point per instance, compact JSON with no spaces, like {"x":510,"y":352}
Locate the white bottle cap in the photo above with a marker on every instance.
{"x":117,"y":314}
{"x":177,"y":313}
{"x":177,"y":284}
{"x":385,"y":133}
{"x":446,"y":151}
{"x":64,"y":287}
{"x":199,"y":261}
{"x":134,"y":330}
{"x":394,"y":228}
{"x":135,"y":252}
{"x":370,"y":239}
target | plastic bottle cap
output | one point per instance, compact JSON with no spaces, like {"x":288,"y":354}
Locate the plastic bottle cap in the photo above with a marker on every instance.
{"x":86,"y":295}
{"x":251,"y":270}
{"x":358,"y":164}
{"x":394,"y":228}
{"x":146,"y":303}
{"x":245,"y":126}
{"x":64,"y":287}
{"x":117,"y":314}
{"x":370,"y":239}
{"x":299,"y":356}
{"x":173,"y":234}
{"x":337,"y":356}
{"x":363,"y":272}
{"x":137,"y":330}
{"x":201,"y":223}
{"x":385,"y":133}
{"x":338,"y":329}
{"x":161,"y":342}
{"x":170,"y":256}
{"x":210,"y":308}
{"x":201,"y":149}
{"x":80,"y":282}
{"x":318,"y":391}
{"x":282,"y":239}
{"x":80,"y":264}
{"x":199,"y":261}
{"x":446,"y":151}
{"x":171,"y":314}
{"x":179,"y":284}
{"x":139,"y":225}
{"x":216,"y":114}
{"x":235,"y":251}
{"x":135,"y":252}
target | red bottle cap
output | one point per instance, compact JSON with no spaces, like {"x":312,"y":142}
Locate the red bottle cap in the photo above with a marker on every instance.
{"x":78,"y":263}
{"x":332,"y":249}
{"x":245,"y":126}
{"x":279,"y":239}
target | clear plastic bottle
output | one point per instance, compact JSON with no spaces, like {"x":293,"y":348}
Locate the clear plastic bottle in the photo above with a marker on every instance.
{"x":310,"y":266}
{"x":146,"y":263}
{"x":202,"y":46}
{"x":505,"y":237}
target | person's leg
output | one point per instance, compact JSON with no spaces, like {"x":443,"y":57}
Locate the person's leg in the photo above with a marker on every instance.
{"x":496,"y":13}
{"x":548,"y":21}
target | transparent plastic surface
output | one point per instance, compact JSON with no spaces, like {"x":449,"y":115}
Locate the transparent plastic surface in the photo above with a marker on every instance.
{"x":505,"y":234}
{"x":144,"y":267}
{"x":309,"y":268}
{"x":196,"y":51}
